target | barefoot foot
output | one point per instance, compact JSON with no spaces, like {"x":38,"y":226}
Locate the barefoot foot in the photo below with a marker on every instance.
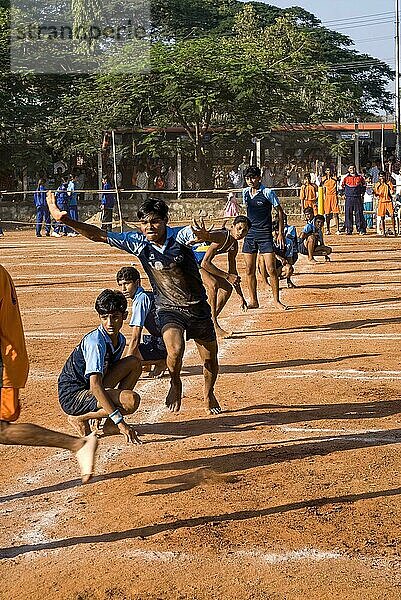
{"x":221,"y":333}
{"x":86,"y":457}
{"x":173,"y":400}
{"x":212,"y":407}
{"x":280,"y":306}
{"x":254,"y":305}
{"x":80,"y":426}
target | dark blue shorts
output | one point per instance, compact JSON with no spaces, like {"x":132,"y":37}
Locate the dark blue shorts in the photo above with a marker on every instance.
{"x":152,"y":348}
{"x":197,"y":327}
{"x":254,"y":244}
{"x":78,"y":403}
{"x":302,"y":248}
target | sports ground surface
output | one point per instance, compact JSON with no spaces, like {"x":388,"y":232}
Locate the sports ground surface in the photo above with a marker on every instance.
{"x":292,"y":493}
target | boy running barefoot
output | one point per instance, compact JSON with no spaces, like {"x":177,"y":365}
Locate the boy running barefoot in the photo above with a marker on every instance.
{"x":96,"y":383}
{"x":13,"y":375}
{"x":180,"y":297}
{"x":151,"y":351}
{"x":311,"y":242}
{"x":219,"y":284}
{"x":259,"y":202}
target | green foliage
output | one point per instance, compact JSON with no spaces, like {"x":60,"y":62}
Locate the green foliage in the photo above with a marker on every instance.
{"x":223,"y":65}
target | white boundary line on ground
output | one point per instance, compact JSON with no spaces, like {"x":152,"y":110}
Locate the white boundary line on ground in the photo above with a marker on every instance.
{"x":354,"y":374}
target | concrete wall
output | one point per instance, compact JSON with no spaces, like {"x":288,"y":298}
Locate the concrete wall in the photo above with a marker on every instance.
{"x":18,"y":213}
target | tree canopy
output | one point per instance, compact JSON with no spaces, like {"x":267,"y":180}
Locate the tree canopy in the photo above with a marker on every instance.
{"x":227,"y":66}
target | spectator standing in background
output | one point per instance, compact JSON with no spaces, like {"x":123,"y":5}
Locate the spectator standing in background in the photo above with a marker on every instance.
{"x":142,"y":181}
{"x":353,"y":188}
{"x":107,"y":204}
{"x":42,"y":210}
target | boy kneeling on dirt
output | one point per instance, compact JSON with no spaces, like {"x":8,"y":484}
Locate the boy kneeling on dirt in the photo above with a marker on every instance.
{"x":311,"y":242}
{"x":95,"y":387}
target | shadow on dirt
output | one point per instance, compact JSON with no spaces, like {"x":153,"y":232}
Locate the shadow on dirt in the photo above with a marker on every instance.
{"x":337,"y":326}
{"x":190,"y":370}
{"x":213,"y":470}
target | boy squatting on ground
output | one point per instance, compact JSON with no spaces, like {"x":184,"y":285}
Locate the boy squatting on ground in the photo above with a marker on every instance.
{"x":88,"y":381}
{"x":219,"y":284}
{"x":14,"y":367}
{"x":259,"y":202}
{"x":285,"y":258}
{"x":310,"y":242}
{"x":180,"y":296}
{"x":151,"y":351}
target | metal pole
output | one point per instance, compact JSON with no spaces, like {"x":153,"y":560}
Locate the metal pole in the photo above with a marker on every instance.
{"x":357,"y":146}
{"x":258,"y":153}
{"x":397,"y":81}
{"x":179,"y":169}
{"x":382,"y":147}
{"x":115,"y":180}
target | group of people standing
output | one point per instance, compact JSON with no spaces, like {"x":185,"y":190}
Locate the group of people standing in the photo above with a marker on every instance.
{"x":359,"y":193}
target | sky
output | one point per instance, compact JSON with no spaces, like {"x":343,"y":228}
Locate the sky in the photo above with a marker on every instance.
{"x":370,"y":23}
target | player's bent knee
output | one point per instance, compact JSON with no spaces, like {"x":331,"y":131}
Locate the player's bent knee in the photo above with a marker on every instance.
{"x":130,"y":401}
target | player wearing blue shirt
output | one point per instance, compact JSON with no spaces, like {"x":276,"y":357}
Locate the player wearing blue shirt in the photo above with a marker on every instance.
{"x":180,"y":296}
{"x":259,"y":202}
{"x":62,"y":202}
{"x":42,"y":210}
{"x":88,"y":381}
{"x":151,"y":350}
{"x":310,"y":242}
{"x":107,"y":204}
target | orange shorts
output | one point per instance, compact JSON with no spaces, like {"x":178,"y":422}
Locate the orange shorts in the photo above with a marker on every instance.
{"x":331,"y":205}
{"x":9,"y":404}
{"x":384,"y":207}
{"x":311,"y":204}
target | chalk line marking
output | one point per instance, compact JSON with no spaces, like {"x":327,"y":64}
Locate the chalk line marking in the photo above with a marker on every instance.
{"x":305,"y":554}
{"x":340,"y":374}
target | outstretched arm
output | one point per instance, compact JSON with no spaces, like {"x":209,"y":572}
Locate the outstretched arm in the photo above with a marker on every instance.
{"x":89,"y":231}
{"x":207,"y":264}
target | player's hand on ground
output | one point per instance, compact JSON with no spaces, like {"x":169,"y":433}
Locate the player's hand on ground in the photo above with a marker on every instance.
{"x":244,"y":306}
{"x":234,"y":279}
{"x":55,"y":212}
{"x":129,"y":433}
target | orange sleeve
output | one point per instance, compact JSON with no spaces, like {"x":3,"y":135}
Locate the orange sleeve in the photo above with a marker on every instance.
{"x":13,"y":354}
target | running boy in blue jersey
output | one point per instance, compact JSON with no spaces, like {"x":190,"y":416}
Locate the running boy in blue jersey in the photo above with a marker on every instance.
{"x":95,"y":382}
{"x":180,"y":296}
{"x":151,"y":351}
{"x":259,"y":202}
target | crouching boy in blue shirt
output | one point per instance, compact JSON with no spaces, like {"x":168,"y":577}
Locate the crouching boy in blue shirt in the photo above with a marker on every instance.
{"x":96,"y":384}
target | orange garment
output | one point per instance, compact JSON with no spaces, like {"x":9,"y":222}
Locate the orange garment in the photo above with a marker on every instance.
{"x":383,"y":192}
{"x":330,"y":196}
{"x":308,"y":196}
{"x":14,"y":364}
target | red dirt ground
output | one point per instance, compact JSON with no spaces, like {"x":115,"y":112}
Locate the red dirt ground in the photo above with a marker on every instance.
{"x":292,"y":493}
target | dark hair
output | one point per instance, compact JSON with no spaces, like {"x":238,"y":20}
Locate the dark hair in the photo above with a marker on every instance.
{"x":382,"y":174}
{"x":252,"y":172}
{"x":110,"y":301}
{"x":128,"y":274}
{"x":308,"y":209}
{"x":152,"y":206}
{"x":318,"y":218}
{"x":242,"y":219}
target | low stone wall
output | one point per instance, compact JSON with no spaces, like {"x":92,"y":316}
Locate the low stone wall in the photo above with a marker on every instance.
{"x":20,"y":213}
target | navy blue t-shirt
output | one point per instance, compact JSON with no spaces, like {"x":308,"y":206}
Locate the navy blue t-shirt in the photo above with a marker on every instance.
{"x":172,"y":269}
{"x":94,"y":354}
{"x":259,"y":210}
